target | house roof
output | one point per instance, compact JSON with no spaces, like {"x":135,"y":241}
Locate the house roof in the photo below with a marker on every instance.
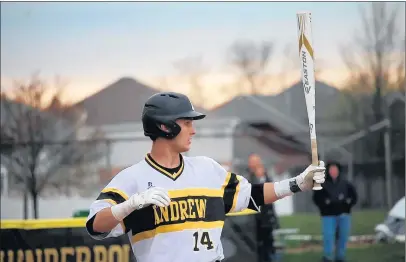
{"x":393,"y":96}
{"x":286,"y":111}
{"x":120,"y":102}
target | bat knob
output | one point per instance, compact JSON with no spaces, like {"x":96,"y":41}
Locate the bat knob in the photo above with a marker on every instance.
{"x":317,"y":187}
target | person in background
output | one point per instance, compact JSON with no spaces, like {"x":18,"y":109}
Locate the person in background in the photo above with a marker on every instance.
{"x":335,"y":202}
{"x":266,"y":221}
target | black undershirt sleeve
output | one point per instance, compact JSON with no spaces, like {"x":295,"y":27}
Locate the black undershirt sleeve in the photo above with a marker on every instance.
{"x":257,"y":196}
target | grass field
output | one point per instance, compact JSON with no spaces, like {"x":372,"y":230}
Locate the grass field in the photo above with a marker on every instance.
{"x":363,"y":222}
{"x":370,"y":253}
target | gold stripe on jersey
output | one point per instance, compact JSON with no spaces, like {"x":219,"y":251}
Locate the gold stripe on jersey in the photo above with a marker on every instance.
{"x":176,"y":228}
{"x":231,"y":189}
{"x":173,"y":176}
{"x":189,"y":208}
{"x":195,"y":192}
{"x":228,"y":176}
{"x":237,"y":191}
{"x":115,"y":190}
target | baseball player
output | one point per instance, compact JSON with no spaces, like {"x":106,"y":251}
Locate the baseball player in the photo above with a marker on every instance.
{"x":173,"y":207}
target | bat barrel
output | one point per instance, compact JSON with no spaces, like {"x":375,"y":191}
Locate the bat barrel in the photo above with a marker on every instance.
{"x":306,"y":55}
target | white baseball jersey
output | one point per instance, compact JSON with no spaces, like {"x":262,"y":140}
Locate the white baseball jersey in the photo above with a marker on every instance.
{"x":202,"y":192}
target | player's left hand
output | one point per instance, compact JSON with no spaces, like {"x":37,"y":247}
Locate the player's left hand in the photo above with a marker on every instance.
{"x":312,"y":174}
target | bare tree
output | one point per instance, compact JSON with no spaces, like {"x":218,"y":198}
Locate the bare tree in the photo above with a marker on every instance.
{"x":400,"y":75}
{"x":375,"y":60}
{"x":39,"y":146}
{"x":193,"y":72}
{"x":252,"y":60}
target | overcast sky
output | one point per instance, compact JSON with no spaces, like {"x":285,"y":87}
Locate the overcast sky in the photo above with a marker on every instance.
{"x":93,"y":44}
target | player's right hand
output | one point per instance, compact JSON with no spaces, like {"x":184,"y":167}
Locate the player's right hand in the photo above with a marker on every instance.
{"x":310,"y":175}
{"x":152,"y":196}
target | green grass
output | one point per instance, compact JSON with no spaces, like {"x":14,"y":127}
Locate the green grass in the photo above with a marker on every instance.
{"x":363,"y":222}
{"x":371,"y":253}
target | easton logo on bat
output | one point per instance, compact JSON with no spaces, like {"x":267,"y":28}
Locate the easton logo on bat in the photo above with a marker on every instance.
{"x":306,"y":85}
{"x":304,"y":42}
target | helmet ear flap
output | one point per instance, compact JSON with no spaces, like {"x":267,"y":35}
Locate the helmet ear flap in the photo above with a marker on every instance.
{"x":164,"y":128}
{"x":173,"y":129}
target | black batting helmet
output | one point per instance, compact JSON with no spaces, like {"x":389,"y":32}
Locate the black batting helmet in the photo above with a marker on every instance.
{"x":164,"y":109}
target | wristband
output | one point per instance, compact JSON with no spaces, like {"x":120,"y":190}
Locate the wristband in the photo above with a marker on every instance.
{"x":122,"y":210}
{"x":294,"y":187}
{"x":286,"y":187}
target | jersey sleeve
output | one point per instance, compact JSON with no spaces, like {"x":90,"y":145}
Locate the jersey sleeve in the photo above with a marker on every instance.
{"x":236,"y":189}
{"x":116,"y":192}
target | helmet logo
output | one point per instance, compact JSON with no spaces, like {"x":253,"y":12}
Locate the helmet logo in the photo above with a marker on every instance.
{"x":192,"y":106}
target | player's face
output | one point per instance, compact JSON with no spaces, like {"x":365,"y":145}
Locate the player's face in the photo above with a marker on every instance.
{"x":183,"y":140}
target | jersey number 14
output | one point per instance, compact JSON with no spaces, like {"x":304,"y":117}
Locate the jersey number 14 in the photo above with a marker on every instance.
{"x":204,"y":240}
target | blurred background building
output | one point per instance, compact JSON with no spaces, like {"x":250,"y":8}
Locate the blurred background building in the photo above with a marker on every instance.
{"x":262,"y":124}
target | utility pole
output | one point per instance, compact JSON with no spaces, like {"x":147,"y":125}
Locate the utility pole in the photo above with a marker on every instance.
{"x":388,"y":165}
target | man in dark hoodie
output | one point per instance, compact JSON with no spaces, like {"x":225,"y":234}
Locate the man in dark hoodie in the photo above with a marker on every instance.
{"x":335,"y":202}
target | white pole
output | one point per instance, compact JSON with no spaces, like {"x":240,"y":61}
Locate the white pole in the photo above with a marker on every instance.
{"x":388,"y":167}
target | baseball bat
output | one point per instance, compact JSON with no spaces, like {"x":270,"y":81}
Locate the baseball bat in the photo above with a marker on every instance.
{"x":306,"y":54}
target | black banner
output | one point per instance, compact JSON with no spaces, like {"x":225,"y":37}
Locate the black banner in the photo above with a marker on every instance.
{"x":61,"y":245}
{"x":35,"y":243}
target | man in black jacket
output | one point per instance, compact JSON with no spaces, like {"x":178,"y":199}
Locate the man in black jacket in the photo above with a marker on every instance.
{"x":266,"y":221}
{"x":335,"y":202}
